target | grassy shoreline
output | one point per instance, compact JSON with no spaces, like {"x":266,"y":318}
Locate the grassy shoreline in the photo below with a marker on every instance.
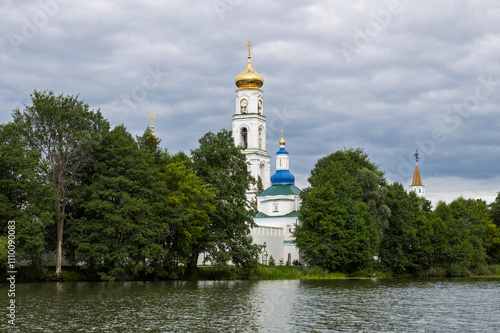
{"x":316,"y":273}
{"x":25,"y":274}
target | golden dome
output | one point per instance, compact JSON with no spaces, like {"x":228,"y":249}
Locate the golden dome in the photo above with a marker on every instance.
{"x":249,"y":78}
{"x":282,"y":141}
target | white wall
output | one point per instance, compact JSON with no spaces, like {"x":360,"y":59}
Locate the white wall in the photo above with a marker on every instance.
{"x":286,"y":205}
{"x":274,"y":238}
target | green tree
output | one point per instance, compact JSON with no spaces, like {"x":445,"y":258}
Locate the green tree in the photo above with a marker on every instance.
{"x":113,"y":226}
{"x":494,"y":210}
{"x":472,"y":216}
{"x":222,"y":165}
{"x":337,"y":230}
{"x":162,"y":157}
{"x":25,"y":196}
{"x":63,"y":130}
{"x":468,"y":233}
{"x":150,"y":214}
{"x":370,"y":179}
{"x":151,"y":144}
{"x":188,"y":206}
{"x":259,"y":189}
{"x":3,"y":253}
{"x":406,"y":247}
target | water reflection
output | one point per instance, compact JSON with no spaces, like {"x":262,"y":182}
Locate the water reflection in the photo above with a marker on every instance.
{"x":259,"y":306}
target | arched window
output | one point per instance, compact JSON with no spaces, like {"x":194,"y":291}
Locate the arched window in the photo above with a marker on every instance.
{"x":244,"y":137}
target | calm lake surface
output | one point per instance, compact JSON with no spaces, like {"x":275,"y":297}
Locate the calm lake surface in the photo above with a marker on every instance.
{"x":379,"y":305}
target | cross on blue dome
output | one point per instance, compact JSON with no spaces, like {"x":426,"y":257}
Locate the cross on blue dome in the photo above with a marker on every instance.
{"x":282,"y":175}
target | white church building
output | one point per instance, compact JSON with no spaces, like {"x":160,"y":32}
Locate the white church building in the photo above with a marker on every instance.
{"x":279,"y":203}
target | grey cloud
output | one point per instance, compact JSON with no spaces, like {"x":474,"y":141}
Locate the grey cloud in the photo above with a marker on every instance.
{"x":397,"y":89}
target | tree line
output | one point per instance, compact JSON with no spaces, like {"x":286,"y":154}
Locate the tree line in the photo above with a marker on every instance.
{"x":121,"y":207}
{"x":351,"y":215}
{"x":115,"y":205}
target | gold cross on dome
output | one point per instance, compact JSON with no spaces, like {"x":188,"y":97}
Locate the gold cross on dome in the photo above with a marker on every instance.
{"x":249,"y":45}
{"x":152,"y":117}
{"x":282,"y":133}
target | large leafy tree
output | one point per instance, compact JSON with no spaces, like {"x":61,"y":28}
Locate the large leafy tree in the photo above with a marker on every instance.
{"x":187,"y":208}
{"x":406,"y":247}
{"x":368,"y":175}
{"x":470,"y":233}
{"x":337,"y":231}
{"x":25,"y":196}
{"x":471,"y":216}
{"x":135,"y":215}
{"x":494,"y":209}
{"x":113,"y":224}
{"x":63,"y":130}
{"x":151,"y":145}
{"x":222,"y":165}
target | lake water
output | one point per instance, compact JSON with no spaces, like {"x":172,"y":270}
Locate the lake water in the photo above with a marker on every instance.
{"x":378,"y":305}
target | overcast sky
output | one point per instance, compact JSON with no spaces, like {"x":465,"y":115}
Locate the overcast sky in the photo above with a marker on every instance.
{"x":386,"y":76}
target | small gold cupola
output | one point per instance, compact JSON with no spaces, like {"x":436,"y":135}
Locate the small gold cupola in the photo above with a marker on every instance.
{"x":249,"y":78}
{"x":282,"y":141}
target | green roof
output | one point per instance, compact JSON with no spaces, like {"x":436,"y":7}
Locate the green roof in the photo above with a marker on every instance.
{"x":285,"y":189}
{"x":260,"y":215}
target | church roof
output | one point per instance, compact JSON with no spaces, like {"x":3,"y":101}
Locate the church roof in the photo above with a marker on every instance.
{"x":416,"y":178}
{"x":283,"y":177}
{"x":282,"y":151}
{"x":260,"y":215}
{"x":249,"y":78}
{"x":281,"y":189}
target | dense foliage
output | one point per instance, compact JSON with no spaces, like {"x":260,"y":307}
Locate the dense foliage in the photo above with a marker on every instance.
{"x":223,"y":166}
{"x":338,"y":231}
{"x":122,"y":208}
{"x":349,"y":195}
{"x":62,"y":131}
{"x":129,"y":209}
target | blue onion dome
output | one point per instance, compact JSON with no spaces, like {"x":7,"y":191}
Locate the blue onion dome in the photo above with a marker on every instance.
{"x":282,"y":151}
{"x":282,"y":177}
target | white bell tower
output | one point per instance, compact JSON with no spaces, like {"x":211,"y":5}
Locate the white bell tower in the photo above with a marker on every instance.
{"x":249,"y":124}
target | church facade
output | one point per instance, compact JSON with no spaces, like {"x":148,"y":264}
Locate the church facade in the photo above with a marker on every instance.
{"x":279,"y":203}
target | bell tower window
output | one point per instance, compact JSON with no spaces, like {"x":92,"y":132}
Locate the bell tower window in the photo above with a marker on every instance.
{"x":244,"y":137}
